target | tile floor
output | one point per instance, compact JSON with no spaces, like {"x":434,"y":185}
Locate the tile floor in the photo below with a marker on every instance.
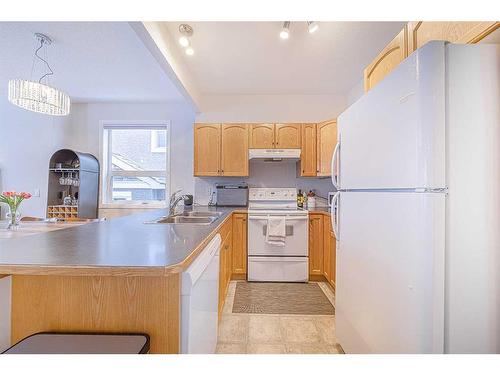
{"x":276,"y":333}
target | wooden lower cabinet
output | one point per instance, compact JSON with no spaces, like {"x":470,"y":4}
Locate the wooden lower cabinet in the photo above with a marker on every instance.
{"x":316,"y":244}
{"x":225,"y":260}
{"x":329,"y":251}
{"x":239,"y":253}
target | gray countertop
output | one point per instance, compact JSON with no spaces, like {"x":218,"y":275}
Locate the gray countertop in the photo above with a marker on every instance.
{"x":319,"y":209}
{"x":121,"y":242}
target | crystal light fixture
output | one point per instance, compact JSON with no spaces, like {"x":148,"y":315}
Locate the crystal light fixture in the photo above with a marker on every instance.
{"x":36,"y":96}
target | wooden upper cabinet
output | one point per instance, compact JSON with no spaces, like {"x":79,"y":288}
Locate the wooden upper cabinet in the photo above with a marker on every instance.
{"x":261,"y":136}
{"x":207,"y":148}
{"x":420,"y":32}
{"x":390,"y":57}
{"x":287,"y":135}
{"x":308,"y":150}
{"x":234,"y":160}
{"x":326,"y":139}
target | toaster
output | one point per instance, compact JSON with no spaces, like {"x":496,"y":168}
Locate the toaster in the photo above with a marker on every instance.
{"x":232,"y":194}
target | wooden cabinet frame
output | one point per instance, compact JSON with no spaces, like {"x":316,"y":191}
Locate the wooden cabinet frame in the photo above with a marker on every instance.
{"x":398,"y":47}
{"x":415,"y":34}
{"x":218,"y":156}
{"x":325,"y":147}
{"x":308,"y":158}
{"x":455,"y":32}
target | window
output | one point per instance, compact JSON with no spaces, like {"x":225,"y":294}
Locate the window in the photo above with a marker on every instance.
{"x":135,"y":163}
{"x":158,"y":141}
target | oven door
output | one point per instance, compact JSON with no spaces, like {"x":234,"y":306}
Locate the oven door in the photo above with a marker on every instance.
{"x":295,"y":242}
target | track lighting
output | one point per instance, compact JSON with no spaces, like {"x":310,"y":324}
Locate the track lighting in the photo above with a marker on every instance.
{"x":184,"y":41}
{"x":312,"y":26}
{"x":285,"y":30}
{"x":186,"y":32}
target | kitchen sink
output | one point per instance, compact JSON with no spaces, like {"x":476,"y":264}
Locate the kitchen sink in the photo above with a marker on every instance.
{"x":181,"y":219}
{"x":200,"y":214}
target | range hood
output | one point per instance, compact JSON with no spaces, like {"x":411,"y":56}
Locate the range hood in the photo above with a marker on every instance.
{"x":274,"y":154}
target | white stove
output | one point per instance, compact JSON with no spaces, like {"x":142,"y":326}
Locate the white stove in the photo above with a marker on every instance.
{"x":267,"y":261}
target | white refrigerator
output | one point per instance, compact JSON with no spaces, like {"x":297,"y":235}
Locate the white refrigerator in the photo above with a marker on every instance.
{"x":417,"y":213}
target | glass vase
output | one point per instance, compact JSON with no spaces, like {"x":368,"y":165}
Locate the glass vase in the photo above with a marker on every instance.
{"x":13,"y":218}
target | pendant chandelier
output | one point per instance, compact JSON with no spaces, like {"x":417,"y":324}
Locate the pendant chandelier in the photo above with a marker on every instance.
{"x":36,"y":96}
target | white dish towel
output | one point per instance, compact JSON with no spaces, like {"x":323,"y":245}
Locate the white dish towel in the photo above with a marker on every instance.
{"x":276,"y":230}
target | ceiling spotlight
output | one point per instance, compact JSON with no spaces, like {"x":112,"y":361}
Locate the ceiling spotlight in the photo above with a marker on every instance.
{"x":285,"y":30}
{"x":312,"y":26}
{"x":184,"y":41}
{"x":189,"y":51}
{"x":186,"y":29}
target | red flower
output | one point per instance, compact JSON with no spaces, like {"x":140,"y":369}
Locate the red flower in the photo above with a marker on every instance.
{"x":25,"y":195}
{"x":9,"y":193}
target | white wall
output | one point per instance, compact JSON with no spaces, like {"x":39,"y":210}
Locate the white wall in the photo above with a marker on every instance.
{"x":355,"y":93}
{"x":27,"y":140}
{"x":269,"y":108}
{"x":85,"y":125}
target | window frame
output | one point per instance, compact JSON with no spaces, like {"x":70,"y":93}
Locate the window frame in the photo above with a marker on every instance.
{"x":154,"y":142}
{"x":106,"y":164}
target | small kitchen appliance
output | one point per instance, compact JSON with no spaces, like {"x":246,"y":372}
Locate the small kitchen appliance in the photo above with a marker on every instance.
{"x":232,"y":195}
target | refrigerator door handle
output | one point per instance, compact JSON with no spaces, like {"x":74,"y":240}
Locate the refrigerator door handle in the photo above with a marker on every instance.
{"x":334,"y":216}
{"x":335,"y":175}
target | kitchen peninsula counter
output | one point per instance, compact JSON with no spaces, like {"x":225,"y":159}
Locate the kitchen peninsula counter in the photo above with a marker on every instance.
{"x":122,"y":246}
{"x":114,"y":276}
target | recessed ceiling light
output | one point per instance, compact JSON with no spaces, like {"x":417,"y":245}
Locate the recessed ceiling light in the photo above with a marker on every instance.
{"x":189,"y":51}
{"x":285,"y":30}
{"x":184,"y":41}
{"x":312,"y":26}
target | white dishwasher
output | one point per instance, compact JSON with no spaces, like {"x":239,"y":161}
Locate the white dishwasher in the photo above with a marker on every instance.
{"x":199,"y":301}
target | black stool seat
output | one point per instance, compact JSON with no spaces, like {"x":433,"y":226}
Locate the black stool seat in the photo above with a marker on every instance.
{"x":81,"y":343}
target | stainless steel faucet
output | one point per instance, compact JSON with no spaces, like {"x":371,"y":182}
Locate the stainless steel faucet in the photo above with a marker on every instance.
{"x":174,"y":201}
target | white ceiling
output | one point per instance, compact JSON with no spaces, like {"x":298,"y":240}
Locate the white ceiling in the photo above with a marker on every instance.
{"x":92,"y":61}
{"x":250,"y":58}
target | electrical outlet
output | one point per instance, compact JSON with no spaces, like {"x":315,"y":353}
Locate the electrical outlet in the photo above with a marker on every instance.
{"x":36,"y":192}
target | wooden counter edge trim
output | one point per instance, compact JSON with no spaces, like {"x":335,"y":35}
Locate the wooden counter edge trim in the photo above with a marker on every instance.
{"x":114,"y":270}
{"x":81,"y":270}
{"x":2,"y":276}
